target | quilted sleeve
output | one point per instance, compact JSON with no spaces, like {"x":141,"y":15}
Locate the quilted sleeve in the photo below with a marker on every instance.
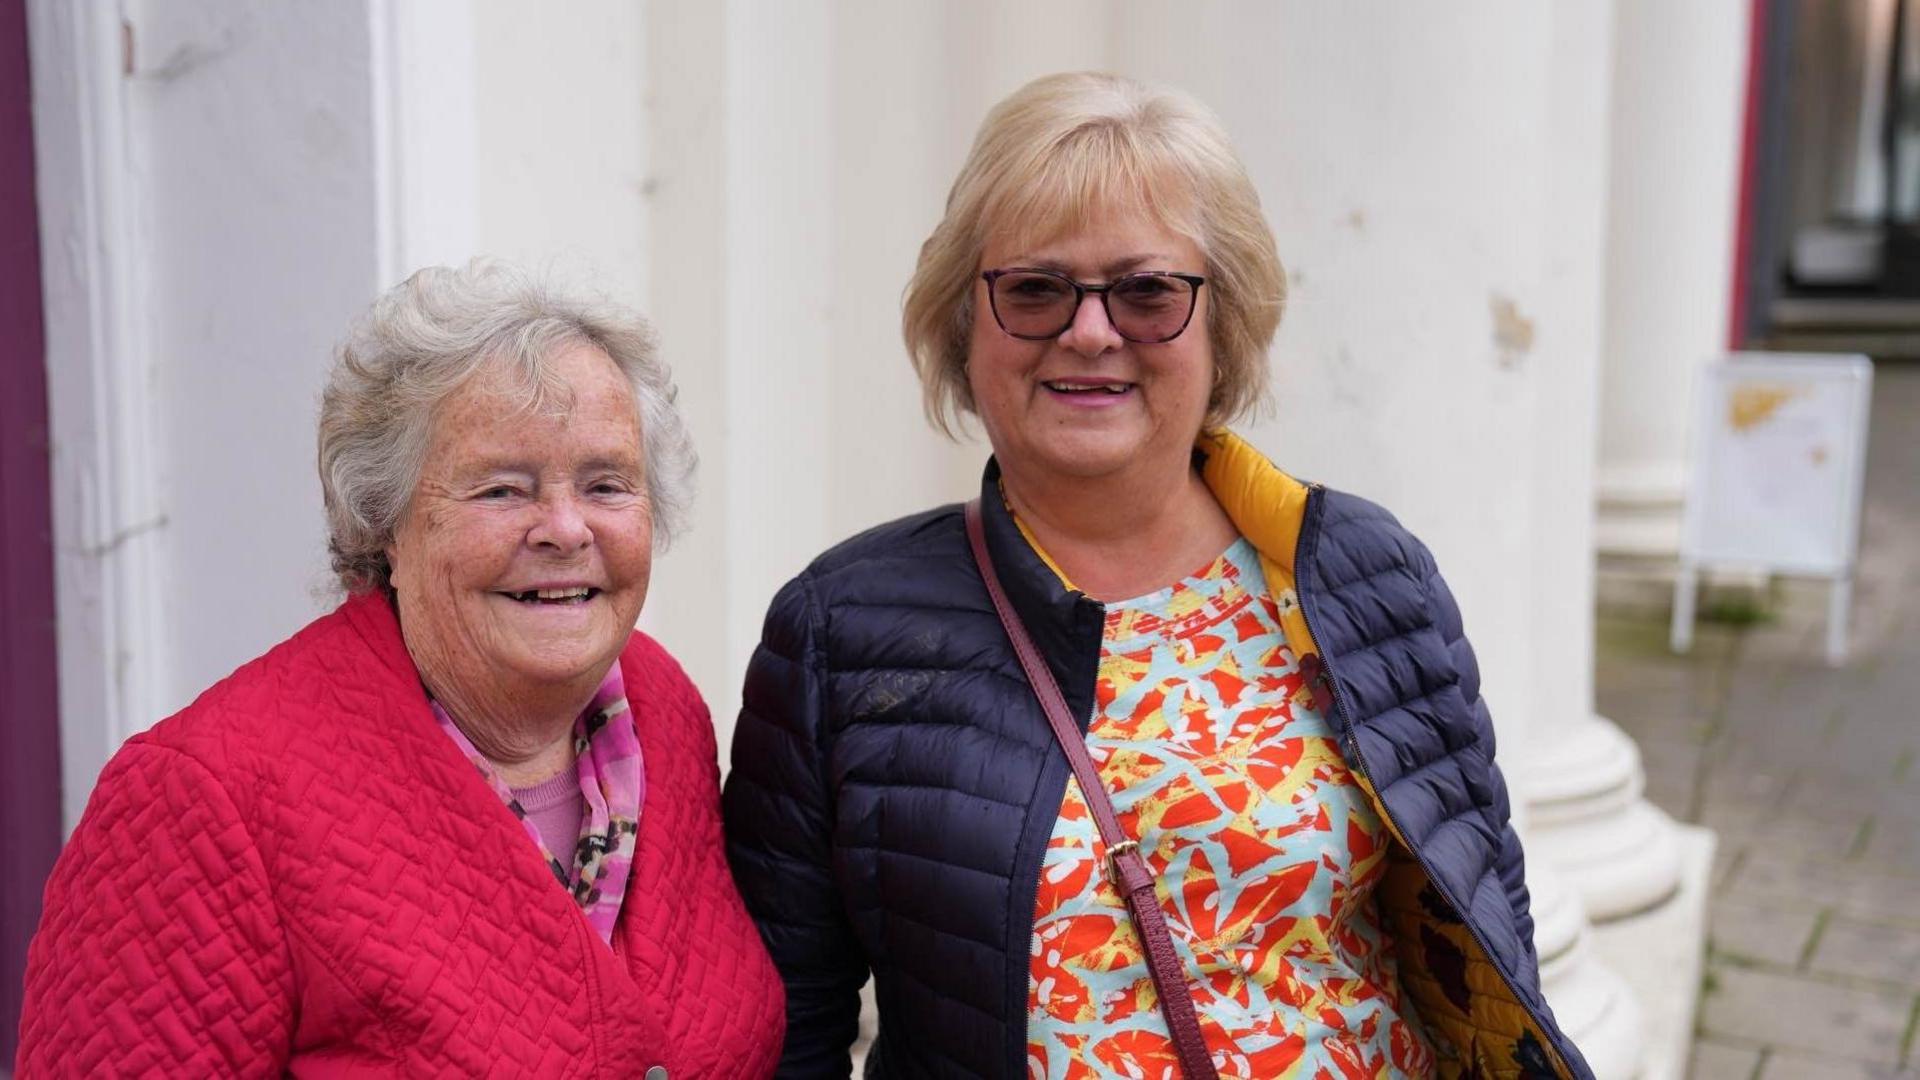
{"x":1511,"y":865}
{"x":1509,"y":862}
{"x":159,"y":952}
{"x":779,"y":821}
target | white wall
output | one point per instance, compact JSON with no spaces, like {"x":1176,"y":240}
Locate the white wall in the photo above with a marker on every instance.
{"x":245,"y":300}
{"x":508,"y":135}
{"x":759,"y":179}
{"x":208,"y":211}
{"x":1403,"y":163}
{"x":1408,"y":189}
{"x":223,"y":190}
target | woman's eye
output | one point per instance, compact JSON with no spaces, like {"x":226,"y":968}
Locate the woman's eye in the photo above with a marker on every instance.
{"x":496,"y":492}
{"x":1150,"y":292}
{"x":1033,"y":289}
{"x":610,"y":485}
{"x":1144,"y":288}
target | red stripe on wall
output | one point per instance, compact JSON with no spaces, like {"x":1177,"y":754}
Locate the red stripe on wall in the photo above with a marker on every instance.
{"x":29,"y":696}
{"x":1743,"y":223}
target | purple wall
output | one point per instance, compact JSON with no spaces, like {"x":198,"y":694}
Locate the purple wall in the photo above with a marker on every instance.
{"x":29,"y":703}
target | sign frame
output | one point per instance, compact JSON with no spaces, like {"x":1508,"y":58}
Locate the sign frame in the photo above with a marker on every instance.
{"x":1701,"y":547}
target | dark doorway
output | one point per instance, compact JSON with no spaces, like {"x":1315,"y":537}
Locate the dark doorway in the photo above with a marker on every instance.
{"x":1830,"y":208}
{"x":29,"y":699}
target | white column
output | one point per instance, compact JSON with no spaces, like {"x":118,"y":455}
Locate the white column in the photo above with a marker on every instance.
{"x":1445,"y":326}
{"x":1597,"y":1009}
{"x":1580,"y":775}
{"x":1583,"y":784}
{"x":778,"y":280}
{"x":741,"y":211}
{"x":1595,"y":843}
{"x":514,"y":138}
{"x":895,"y":155}
{"x":426,"y":126}
{"x":1679,"y":91}
{"x":799,"y":156}
{"x":1558,"y":755}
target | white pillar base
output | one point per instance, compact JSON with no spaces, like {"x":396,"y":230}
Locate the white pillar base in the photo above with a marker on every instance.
{"x":1586,"y":819}
{"x":1661,"y":955}
{"x":1640,"y":511}
{"x":1594,"y":1006}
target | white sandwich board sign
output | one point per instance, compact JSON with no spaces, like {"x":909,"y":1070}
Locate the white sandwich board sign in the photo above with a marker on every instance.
{"x":1775,"y":475}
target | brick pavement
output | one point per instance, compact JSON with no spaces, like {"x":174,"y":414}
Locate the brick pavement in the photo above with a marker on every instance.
{"x":1811,"y":776}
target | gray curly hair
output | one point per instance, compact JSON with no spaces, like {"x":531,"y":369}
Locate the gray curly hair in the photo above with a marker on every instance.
{"x":418,"y":343}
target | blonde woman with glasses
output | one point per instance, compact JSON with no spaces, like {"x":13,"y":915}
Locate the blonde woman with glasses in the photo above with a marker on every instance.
{"x":1153,"y":760}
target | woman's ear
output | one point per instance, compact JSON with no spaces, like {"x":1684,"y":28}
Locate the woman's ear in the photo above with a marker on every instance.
{"x":392,"y":552}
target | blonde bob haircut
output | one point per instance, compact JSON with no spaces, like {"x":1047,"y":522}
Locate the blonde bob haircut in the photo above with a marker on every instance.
{"x":1055,"y":156}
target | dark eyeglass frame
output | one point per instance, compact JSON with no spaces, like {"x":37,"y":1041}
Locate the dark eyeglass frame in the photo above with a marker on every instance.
{"x":1080,"y":291}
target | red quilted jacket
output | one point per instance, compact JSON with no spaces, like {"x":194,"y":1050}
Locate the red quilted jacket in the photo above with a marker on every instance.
{"x":299,"y":873}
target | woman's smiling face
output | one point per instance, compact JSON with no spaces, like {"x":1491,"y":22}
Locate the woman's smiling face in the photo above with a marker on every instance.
{"x":1090,"y":403}
{"x":525,"y":552}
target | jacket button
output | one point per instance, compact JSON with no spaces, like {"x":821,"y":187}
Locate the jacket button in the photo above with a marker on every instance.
{"x":658,"y":1072}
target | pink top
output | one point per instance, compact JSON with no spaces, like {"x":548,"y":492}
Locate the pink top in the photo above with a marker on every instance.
{"x":555,"y":806}
{"x":611,"y":779}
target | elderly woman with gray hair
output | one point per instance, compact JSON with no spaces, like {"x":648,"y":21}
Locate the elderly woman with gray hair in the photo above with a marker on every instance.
{"x":468,"y":822}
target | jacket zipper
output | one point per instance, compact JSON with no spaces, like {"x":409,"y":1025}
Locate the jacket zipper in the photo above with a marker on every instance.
{"x":1033,"y":897}
{"x":1352,"y":740}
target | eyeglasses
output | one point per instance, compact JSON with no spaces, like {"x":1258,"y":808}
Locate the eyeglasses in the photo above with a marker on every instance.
{"x":1147,"y":308}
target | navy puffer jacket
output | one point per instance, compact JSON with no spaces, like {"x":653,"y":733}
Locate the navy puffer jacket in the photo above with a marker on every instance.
{"x":894,"y":782}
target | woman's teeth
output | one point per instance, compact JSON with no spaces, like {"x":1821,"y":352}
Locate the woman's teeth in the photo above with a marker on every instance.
{"x":575,"y":594}
{"x":1088,"y":388}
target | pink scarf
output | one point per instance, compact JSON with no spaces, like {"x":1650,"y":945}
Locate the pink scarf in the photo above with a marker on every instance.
{"x":606,"y":751}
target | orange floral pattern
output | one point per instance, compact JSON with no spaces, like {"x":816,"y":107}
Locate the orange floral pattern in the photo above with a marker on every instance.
{"x":1266,"y":849}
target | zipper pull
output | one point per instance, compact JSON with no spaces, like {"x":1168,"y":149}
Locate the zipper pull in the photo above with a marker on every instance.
{"x":1316,"y":683}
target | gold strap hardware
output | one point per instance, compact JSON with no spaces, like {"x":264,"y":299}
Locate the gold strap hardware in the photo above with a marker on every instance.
{"x":1113,"y":859}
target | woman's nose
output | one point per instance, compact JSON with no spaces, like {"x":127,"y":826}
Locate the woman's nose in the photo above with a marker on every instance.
{"x":562,"y":526}
{"x":1091,"y":332}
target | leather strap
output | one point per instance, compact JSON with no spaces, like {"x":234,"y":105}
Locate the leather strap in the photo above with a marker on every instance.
{"x":1126,"y":869}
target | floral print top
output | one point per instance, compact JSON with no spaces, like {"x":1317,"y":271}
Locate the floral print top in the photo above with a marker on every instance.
{"x":606,"y":751}
{"x":1221,"y":763}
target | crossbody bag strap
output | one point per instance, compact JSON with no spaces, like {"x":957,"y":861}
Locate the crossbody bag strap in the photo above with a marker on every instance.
{"x":1126,"y":869}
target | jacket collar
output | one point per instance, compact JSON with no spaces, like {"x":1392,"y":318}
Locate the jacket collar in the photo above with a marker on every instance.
{"x":1266,"y":505}
{"x":371,"y":614}
{"x":1064,"y":624}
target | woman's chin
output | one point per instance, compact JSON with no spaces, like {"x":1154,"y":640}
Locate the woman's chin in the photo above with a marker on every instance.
{"x":552,"y":667}
{"x":554,"y":651}
{"x":1089,"y":454}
